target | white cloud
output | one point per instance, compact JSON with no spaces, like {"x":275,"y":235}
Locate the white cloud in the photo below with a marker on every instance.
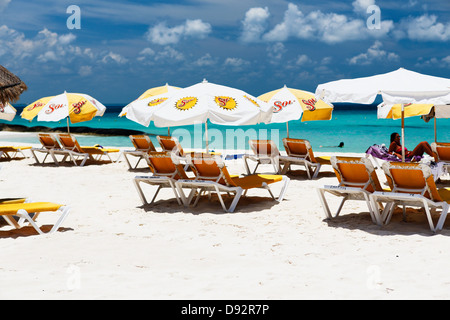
{"x":316,"y":25}
{"x":254,"y":24}
{"x":374,"y":53}
{"x":235,"y":62}
{"x":423,"y":28}
{"x":85,"y":71}
{"x":302,"y":60}
{"x":360,"y":6}
{"x":205,"y":61}
{"x":163,"y":35}
{"x":275,"y":52}
{"x":114,"y":57}
{"x":4,"y":4}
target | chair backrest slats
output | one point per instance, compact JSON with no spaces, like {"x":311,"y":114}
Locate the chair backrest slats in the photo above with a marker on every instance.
{"x":299,"y":148}
{"x":142,"y":143}
{"x":356,"y":172}
{"x":48,"y":141}
{"x":413,"y":178}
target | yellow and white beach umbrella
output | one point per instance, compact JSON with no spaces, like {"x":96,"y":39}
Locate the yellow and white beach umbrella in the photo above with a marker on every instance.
{"x":426,"y":111}
{"x":292,"y":104}
{"x":7,"y":112}
{"x":157,"y":91}
{"x":76,"y":107}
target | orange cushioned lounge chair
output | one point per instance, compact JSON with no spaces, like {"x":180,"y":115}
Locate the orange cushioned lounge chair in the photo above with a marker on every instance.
{"x":165,"y":174}
{"x":70,"y":143}
{"x":299,"y":152}
{"x":413,"y":185}
{"x":211,"y":175}
{"x":264,"y":152}
{"x":143,"y":145}
{"x":357,"y":181}
{"x":50,"y":146}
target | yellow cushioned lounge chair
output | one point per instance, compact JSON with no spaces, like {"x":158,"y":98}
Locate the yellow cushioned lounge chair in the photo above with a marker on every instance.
{"x":264,"y":152}
{"x":211,"y":175}
{"x":70,"y":143}
{"x":29,"y":211}
{"x":10,"y":152}
{"x":165,"y":174}
{"x":50,"y":146}
{"x":357,"y":181}
{"x":412,"y":184}
{"x":143,"y":145}
{"x":299,"y":152}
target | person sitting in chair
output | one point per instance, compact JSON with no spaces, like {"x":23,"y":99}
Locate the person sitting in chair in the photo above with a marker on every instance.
{"x":396,"y":148}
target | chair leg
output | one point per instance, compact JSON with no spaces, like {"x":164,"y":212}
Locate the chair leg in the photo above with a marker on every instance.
{"x":325,"y":206}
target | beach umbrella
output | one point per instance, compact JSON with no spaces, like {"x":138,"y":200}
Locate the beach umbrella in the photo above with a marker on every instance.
{"x":138,"y":109}
{"x":75,"y":107}
{"x":401,"y":86}
{"x":205,"y":101}
{"x":157,"y":91}
{"x":11,"y":87}
{"x":426,"y":111}
{"x":292,"y":104}
{"x":7,"y":112}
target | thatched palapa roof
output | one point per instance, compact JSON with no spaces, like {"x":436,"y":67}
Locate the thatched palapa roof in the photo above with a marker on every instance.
{"x":11,"y":87}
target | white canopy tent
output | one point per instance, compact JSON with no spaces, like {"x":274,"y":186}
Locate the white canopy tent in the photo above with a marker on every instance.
{"x":401,"y":86}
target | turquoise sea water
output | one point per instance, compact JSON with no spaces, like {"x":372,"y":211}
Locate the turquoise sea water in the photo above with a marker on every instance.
{"x":355,"y":125}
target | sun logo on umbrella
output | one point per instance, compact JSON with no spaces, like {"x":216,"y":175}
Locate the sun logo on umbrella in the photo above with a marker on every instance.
{"x":36,"y":105}
{"x":252,"y":101}
{"x":156,"y":102}
{"x":186,"y":103}
{"x":226,"y":103}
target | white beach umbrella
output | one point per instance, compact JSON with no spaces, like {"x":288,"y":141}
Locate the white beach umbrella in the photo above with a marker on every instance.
{"x":400,"y":86}
{"x":208,"y":101}
{"x":7,"y":112}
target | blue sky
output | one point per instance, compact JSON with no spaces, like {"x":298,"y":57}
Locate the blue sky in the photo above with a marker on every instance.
{"x":125,"y":47}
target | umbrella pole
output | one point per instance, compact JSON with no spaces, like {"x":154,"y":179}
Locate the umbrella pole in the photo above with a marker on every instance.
{"x":435,"y":131}
{"x":206,"y":136}
{"x":68,"y":131}
{"x":287,"y":128}
{"x":403,"y":132}
{"x":168,"y":131}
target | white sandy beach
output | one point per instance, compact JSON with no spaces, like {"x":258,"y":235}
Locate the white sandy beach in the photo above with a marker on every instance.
{"x":112,"y":247}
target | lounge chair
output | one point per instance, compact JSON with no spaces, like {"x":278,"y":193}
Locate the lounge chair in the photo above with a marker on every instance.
{"x":300,"y":152}
{"x":442,"y":152}
{"x":10,"y":152}
{"x":70,"y":143}
{"x":357,"y":181}
{"x":143,"y":145}
{"x":29,"y":211}
{"x":165,"y":174}
{"x":170,"y":144}
{"x":50,"y":146}
{"x":412,"y":184}
{"x":264,"y":152}
{"x":211,"y":175}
